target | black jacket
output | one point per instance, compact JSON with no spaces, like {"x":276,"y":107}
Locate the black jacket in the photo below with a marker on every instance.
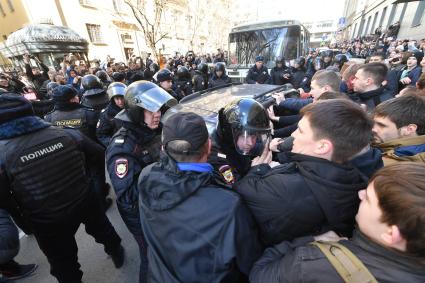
{"x":218,"y":81}
{"x":374,"y":97}
{"x":276,"y":75}
{"x":307,"y":196}
{"x":132,"y":148}
{"x":199,"y":81}
{"x":260,"y":76}
{"x":107,"y":125}
{"x":55,"y":161}
{"x":297,"y":261}
{"x":74,"y":115}
{"x":196,"y":231}
{"x":37,"y":80}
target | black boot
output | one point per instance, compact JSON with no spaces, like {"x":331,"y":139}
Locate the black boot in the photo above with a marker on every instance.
{"x":13,"y":270}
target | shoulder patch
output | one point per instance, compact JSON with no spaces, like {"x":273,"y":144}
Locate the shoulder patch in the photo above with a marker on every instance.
{"x":121,"y":167}
{"x":227,"y":173}
{"x":119,"y":141}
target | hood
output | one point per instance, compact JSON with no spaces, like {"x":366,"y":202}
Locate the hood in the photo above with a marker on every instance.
{"x":163,"y":186}
{"x":335,"y":187}
{"x":368,"y":162}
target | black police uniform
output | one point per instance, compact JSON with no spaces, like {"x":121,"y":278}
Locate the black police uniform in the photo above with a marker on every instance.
{"x":131,"y":149}
{"x":200,"y":78}
{"x":277,"y":73}
{"x":183,"y":83}
{"x":43,"y":185}
{"x":74,"y":115}
{"x":107,"y":125}
{"x":256,"y":75}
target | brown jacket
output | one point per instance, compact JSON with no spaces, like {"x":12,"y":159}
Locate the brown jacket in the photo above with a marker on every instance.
{"x":405,"y":149}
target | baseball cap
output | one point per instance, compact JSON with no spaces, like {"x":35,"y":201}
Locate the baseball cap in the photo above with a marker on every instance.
{"x":185,"y":126}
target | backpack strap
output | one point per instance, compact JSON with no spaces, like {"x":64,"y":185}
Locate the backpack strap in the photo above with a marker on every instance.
{"x":348,"y":265}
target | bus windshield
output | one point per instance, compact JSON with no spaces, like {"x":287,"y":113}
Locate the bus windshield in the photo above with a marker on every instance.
{"x":270,"y":43}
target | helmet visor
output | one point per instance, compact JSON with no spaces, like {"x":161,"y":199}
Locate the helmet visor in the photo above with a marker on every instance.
{"x":249,"y":142}
{"x":154,"y":99}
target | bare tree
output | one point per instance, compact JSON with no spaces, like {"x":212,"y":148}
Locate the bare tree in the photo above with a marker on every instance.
{"x":149,"y":22}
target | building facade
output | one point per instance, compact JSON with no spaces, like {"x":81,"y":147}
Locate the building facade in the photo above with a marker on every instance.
{"x":111,"y":28}
{"x":363,"y":17}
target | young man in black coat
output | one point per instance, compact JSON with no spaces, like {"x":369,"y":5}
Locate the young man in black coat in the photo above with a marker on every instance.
{"x":316,"y":191}
{"x":389,"y":241}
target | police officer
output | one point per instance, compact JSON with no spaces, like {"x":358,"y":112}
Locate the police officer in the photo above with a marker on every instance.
{"x":165,"y":80}
{"x":280,"y":74}
{"x":183,"y":83}
{"x":299,"y":77}
{"x":94,"y":95}
{"x":219,"y":76}
{"x":43,"y":185}
{"x":136,"y":145}
{"x":243,"y":130}
{"x":258,"y":74}
{"x":50,"y":87}
{"x":68,"y":113}
{"x":200,"y":78}
{"x":339,"y":61}
{"x":107,"y":126}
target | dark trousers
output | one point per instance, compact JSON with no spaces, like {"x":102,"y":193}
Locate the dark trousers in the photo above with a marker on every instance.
{"x":57,"y":240}
{"x":131,"y":218}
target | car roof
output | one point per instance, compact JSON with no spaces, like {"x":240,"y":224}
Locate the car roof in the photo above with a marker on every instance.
{"x":208,"y":103}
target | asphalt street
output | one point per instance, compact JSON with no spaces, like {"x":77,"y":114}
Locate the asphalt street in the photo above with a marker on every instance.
{"x":95,"y":263}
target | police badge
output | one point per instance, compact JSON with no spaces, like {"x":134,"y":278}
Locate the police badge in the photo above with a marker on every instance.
{"x":121,"y":167}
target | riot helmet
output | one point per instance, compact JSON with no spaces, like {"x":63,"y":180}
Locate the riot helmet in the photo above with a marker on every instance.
{"x":118,"y":76}
{"x":183,"y":74}
{"x":220,"y":67}
{"x":103,"y":76}
{"x":300,"y":61}
{"x":144,"y":95}
{"x":280,"y":60}
{"x":203,"y":68}
{"x":246,"y":122}
{"x":91,"y":85}
{"x":164,"y":75}
{"x":340,"y":59}
{"x":116,"y":89}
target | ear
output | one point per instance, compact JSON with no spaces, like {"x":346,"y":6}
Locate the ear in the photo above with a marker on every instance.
{"x":209,"y":146}
{"x":409,"y":130}
{"x":324,"y":147}
{"x":392,"y":237}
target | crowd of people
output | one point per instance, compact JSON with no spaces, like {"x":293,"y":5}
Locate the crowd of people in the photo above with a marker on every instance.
{"x":327,"y":184}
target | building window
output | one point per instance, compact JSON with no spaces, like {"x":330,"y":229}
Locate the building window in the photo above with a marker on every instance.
{"x":95,"y":33}
{"x":11,"y":8}
{"x":373,"y":28}
{"x":384,"y":13}
{"x":2,"y":11}
{"x":119,"y":6}
{"x":419,"y":14}
{"x":88,"y":3}
{"x":392,"y":15}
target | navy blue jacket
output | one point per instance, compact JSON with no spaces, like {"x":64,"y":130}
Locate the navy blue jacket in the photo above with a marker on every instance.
{"x":196,"y":230}
{"x":260,"y":76}
{"x":126,"y":156}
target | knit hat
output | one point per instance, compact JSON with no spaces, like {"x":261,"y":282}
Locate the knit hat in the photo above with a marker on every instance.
{"x":13,"y":107}
{"x":63,"y":93}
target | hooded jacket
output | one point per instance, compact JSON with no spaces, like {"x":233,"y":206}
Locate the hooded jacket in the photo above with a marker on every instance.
{"x":299,"y":262}
{"x":405,"y":149}
{"x":196,"y":231}
{"x":306,"y":196}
